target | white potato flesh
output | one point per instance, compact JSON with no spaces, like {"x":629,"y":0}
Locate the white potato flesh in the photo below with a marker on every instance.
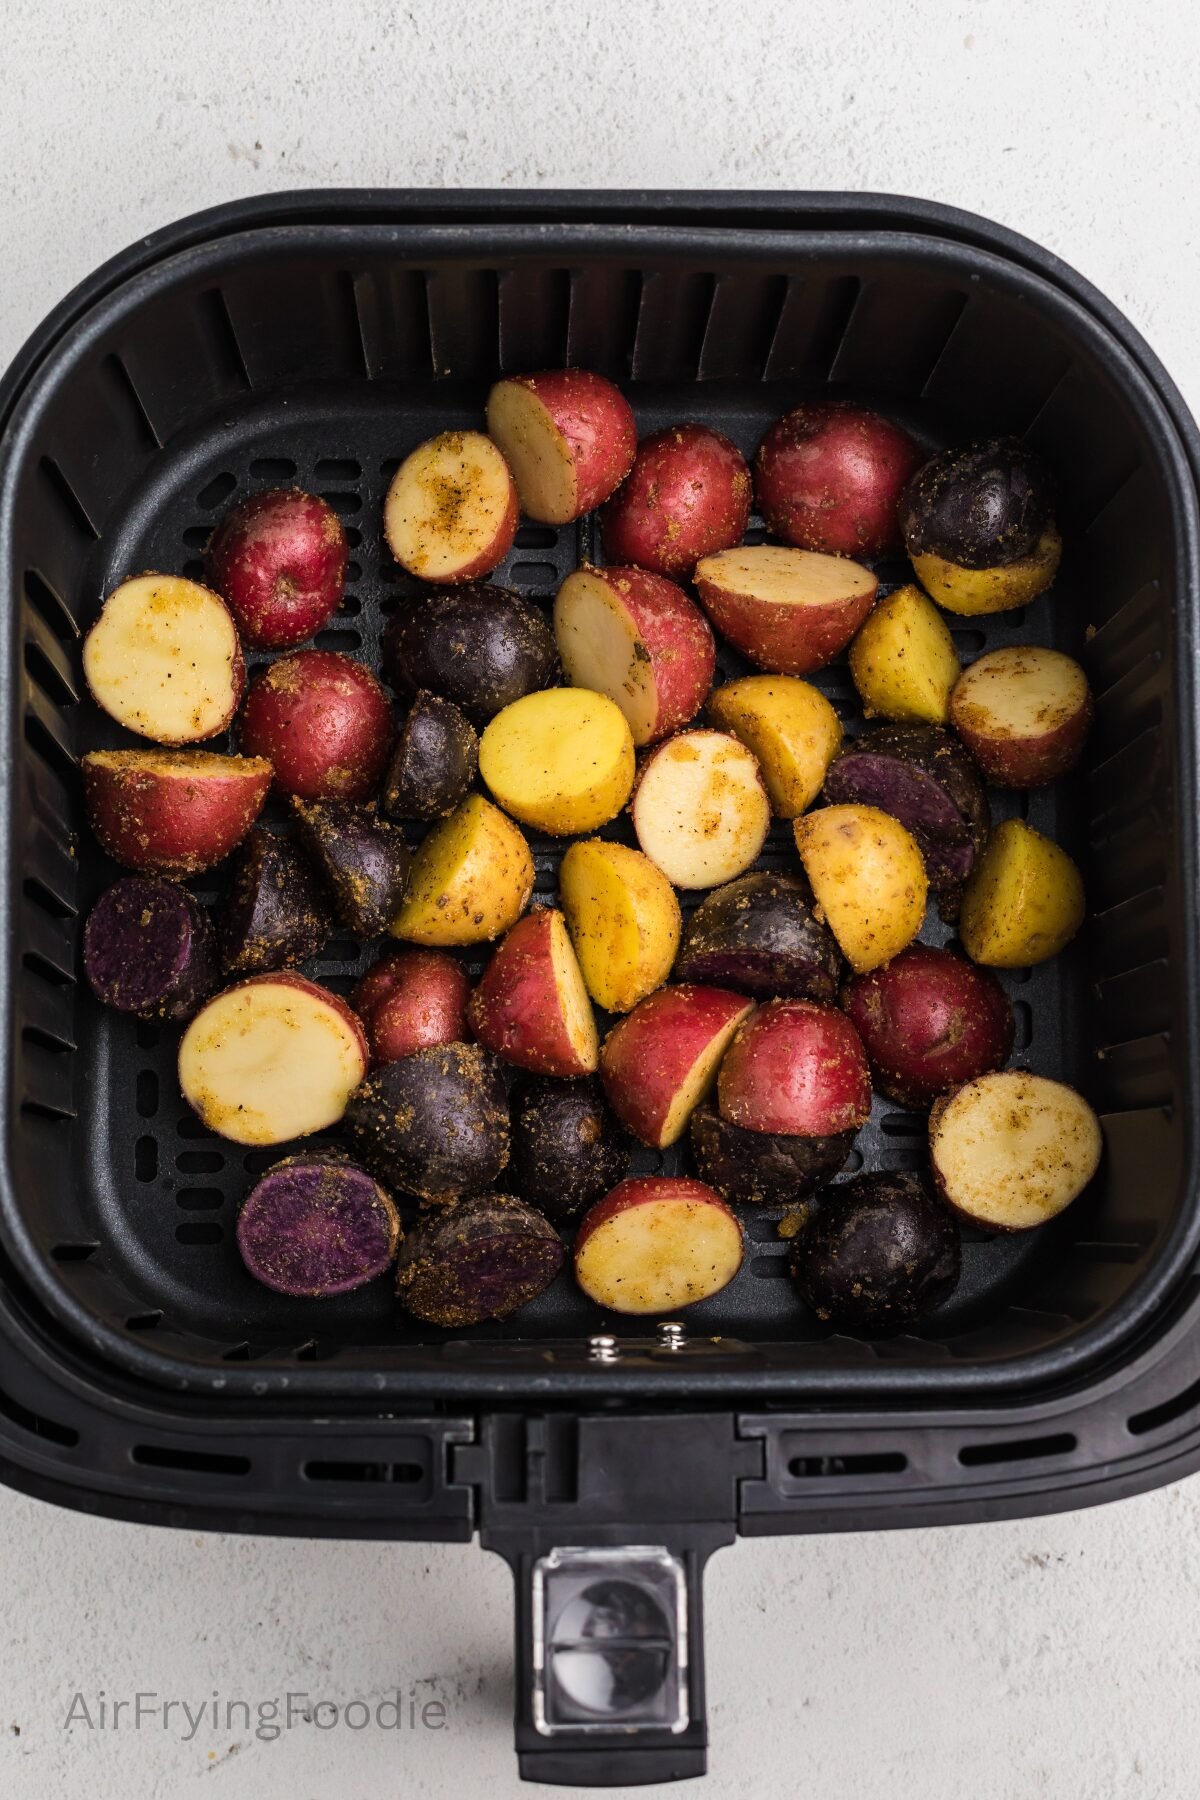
{"x":1011,"y":1150}
{"x":656,"y":1256}
{"x":536,"y":451}
{"x":786,"y":577}
{"x":602,"y":649}
{"x":164,"y":660}
{"x":1023,"y":691}
{"x":451,"y":509}
{"x":701,"y":812}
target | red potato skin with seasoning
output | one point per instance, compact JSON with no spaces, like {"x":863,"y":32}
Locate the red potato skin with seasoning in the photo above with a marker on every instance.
{"x":687,"y":495}
{"x":411,"y":999}
{"x":829,"y":478}
{"x":784,"y":640}
{"x":677,"y":639}
{"x":515,"y":1009}
{"x":648,"y":1055}
{"x":328,"y":724}
{"x":279,"y":561}
{"x":597,"y":423}
{"x":798,"y":1068}
{"x":172,"y":812}
{"x":929,"y":1021}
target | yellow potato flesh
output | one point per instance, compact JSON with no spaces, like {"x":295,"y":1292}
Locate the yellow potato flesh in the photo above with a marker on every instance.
{"x":624,"y":921}
{"x":560,"y":760}
{"x":1023,"y":902}
{"x":868,"y":877}
{"x":903,"y":660}
{"x":969,"y":592}
{"x":471,"y":879}
{"x":790,"y":727}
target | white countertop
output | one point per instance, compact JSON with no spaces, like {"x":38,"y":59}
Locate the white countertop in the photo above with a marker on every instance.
{"x":1055,"y":1657}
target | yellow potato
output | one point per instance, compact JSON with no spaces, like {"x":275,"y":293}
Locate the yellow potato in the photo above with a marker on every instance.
{"x":1023,"y":902}
{"x":471,"y":878}
{"x":560,"y":760}
{"x":973,"y":591}
{"x":868,"y":876}
{"x":903,"y":661}
{"x":624,"y":920}
{"x":791,"y":728}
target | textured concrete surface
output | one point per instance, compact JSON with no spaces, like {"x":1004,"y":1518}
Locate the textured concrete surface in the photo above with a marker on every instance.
{"x":1056,"y":1657}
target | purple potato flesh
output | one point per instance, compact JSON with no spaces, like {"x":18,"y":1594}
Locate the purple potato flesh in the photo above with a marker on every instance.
{"x":316,"y":1226}
{"x":149,"y":949}
{"x":477,"y":1259}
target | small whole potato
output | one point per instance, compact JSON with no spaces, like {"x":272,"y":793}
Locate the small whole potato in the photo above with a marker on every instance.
{"x":686,"y":496}
{"x":323,"y":721}
{"x":829,"y":477}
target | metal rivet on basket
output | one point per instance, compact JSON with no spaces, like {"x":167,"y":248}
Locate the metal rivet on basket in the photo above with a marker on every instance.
{"x":671,"y":1334}
{"x":603,"y":1349}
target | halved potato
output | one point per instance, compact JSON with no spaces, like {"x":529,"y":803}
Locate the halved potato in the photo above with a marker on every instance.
{"x":903,"y":660}
{"x":789,"y":611}
{"x":1023,"y":902}
{"x":701,"y":810}
{"x":471,"y":878}
{"x":657,"y":1243}
{"x":970,"y":592}
{"x":560,"y":760}
{"x":1023,"y":712}
{"x":624,"y":921}
{"x":792,"y":730}
{"x":868,"y":876}
{"x":451,"y":511}
{"x":1011,"y":1150}
{"x":164,"y":660}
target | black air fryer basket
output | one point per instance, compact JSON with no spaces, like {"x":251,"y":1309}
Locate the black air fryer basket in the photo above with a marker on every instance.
{"x":315,"y":338}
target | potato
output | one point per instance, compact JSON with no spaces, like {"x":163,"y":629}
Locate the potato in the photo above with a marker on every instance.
{"x":409,"y":999}
{"x":903,"y":661}
{"x":363,"y":861}
{"x":978,"y":525}
{"x":278,"y":559}
{"x":795,"y":1067}
{"x":560,"y":761}
{"x":656,"y":1244}
{"x":324,"y":722}
{"x":434,"y":763}
{"x":763,"y":1168}
{"x":450,"y":513}
{"x":660,"y":1061}
{"x":481,"y":1258}
{"x":1011,"y":1150}
{"x":789,"y":611}
{"x":274,"y":911}
{"x":791,"y":729}
{"x":149,"y":949}
{"x":869,"y":880}
{"x":878,"y":1255}
{"x":273,"y":1057}
{"x":1024,"y":901}
{"x":530,"y":1005}
{"x":1024,"y":714}
{"x":829,"y":476}
{"x":929,"y":1021}
{"x":164,"y":660}
{"x":567,"y":1149}
{"x":315,"y":1226}
{"x":624,"y":920}
{"x":480,"y":646}
{"x":686,"y":496}
{"x":434,"y":1124}
{"x":471,"y":878}
{"x":172,"y":812}
{"x":637,"y":638}
{"x":701,"y":811}
{"x":568,"y":436}
{"x":758,"y":934}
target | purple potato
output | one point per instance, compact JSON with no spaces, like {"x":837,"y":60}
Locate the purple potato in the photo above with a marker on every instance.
{"x":567,"y":1148}
{"x":434,"y":1124}
{"x":480,"y":645}
{"x":434,"y":762}
{"x":925,"y":779}
{"x":982,"y":507}
{"x":149,"y":948}
{"x":763,"y":1168}
{"x":759,"y":935}
{"x":481,"y":1258}
{"x":317,"y":1225}
{"x":273,"y":913}
{"x":877,"y":1254}
{"x":363,"y":860}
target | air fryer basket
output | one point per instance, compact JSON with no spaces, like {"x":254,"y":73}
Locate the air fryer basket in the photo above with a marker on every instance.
{"x":316,"y":339}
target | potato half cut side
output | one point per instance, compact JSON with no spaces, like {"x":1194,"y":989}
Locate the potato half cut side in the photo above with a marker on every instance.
{"x":451,"y":510}
{"x":560,"y":760}
{"x":164,"y":660}
{"x":1011,"y":1150}
{"x":1023,"y":712}
{"x":701,"y":811}
{"x":656,"y":1244}
{"x":789,"y":611}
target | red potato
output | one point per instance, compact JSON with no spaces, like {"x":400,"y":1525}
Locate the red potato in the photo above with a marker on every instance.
{"x":655,"y":1244}
{"x":568,"y":436}
{"x":531,"y":1006}
{"x":279,"y":560}
{"x":324,"y":722}
{"x":411,"y":999}
{"x":929,"y":1020}
{"x":164,"y":660}
{"x":272,"y":1058}
{"x":687,"y":495}
{"x":637,"y":638}
{"x":660,"y":1061}
{"x":451,"y":510}
{"x":700,"y":808}
{"x":1023,"y":713}
{"x":789,"y":611}
{"x":829,"y":477}
{"x":172,"y":812}
{"x":795,"y":1067}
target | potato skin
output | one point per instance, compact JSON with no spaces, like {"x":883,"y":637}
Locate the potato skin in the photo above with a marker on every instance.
{"x":149,"y":949}
{"x":782,"y":640}
{"x":278,"y":558}
{"x":567,"y":1148}
{"x":1052,"y":742}
{"x":165,"y":812}
{"x":978,"y":524}
{"x":879,"y":1253}
{"x":829,"y":476}
{"x":763,"y":1168}
{"x":595,"y":426}
{"x":434,"y":763}
{"x":759,"y":935}
{"x":435,"y":1124}
{"x":479,"y":1258}
{"x":686,"y":496}
{"x":929,"y":1021}
{"x":480,"y":646}
{"x":796,"y":1067}
{"x":273,"y":912}
{"x":1024,"y":902}
{"x":411,"y":998}
{"x":324,"y":722}
{"x":789,"y":726}
{"x":624,"y":919}
{"x":362,"y":858}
